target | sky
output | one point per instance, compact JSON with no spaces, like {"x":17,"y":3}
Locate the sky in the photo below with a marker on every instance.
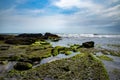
{"x":60,"y":16}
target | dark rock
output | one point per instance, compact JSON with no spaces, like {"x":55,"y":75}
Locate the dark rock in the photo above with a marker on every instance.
{"x":22,"y":41}
{"x":35,"y":59}
{"x":4,"y":47}
{"x":89,"y":44}
{"x":14,"y":58}
{"x":31,"y":35}
{"x":52,"y":37}
{"x":4,"y":37}
{"x":3,"y":62}
{"x":23,"y":66}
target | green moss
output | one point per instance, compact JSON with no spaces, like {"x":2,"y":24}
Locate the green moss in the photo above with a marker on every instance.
{"x":3,"y":62}
{"x":3,"y":58}
{"x":14,"y":58}
{"x":2,"y":78}
{"x":55,"y":52}
{"x":74,"y":47}
{"x":39,"y":43}
{"x":47,"y":55}
{"x":68,"y":52}
{"x":80,"y":67}
{"x":104,"y":57}
{"x":23,"y":66}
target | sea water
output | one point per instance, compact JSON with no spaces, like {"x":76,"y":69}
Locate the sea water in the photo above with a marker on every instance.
{"x":104,"y":41}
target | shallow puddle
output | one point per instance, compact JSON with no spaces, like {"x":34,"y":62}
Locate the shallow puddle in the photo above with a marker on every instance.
{"x":112,"y":67}
{"x":6,"y":68}
{"x":58,"y":57}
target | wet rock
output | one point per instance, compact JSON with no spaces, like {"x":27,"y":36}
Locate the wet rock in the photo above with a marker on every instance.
{"x":23,"y":66}
{"x":3,"y":62}
{"x":30,"y":35}
{"x":35,"y":59}
{"x":22,"y":41}
{"x":52,"y":37}
{"x":89,"y":44}
{"x":14,"y":58}
{"x":4,"y":36}
{"x":4,"y":47}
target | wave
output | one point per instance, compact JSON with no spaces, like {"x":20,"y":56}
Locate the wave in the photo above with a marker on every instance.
{"x":89,"y":35}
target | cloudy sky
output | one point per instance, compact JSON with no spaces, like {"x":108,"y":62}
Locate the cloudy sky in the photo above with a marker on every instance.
{"x":60,"y":16}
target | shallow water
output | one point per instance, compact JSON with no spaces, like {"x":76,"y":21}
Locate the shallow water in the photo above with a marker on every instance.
{"x":58,"y":57}
{"x":6,"y":68}
{"x":99,"y":42}
{"x":112,"y":67}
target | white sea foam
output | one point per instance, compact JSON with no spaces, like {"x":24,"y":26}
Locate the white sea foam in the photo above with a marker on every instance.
{"x":89,"y":35}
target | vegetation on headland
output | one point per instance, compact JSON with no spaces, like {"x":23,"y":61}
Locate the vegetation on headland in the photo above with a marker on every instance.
{"x":80,"y":67}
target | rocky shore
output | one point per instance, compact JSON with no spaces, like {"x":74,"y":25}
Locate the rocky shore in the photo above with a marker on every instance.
{"x":21,"y":53}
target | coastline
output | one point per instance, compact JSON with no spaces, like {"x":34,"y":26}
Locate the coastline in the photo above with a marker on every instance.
{"x":47,"y":48}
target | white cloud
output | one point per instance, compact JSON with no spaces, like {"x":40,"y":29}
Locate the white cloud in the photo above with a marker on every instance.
{"x":29,"y":23}
{"x":85,"y":4}
{"x":90,"y":15}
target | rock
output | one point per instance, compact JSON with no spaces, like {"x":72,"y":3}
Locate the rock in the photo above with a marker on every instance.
{"x":35,"y":59}
{"x":89,"y":44}
{"x":4,"y":36}
{"x":27,"y":39}
{"x":68,"y":52}
{"x":52,"y":37}
{"x":30,"y":35}
{"x":4,"y":47}
{"x":23,"y":66}
{"x":14,"y":58}
{"x":3,"y":62}
{"x":55,"y":52}
{"x":22,"y":41}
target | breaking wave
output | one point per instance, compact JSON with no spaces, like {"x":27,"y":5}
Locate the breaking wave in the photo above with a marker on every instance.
{"x":90,"y":35}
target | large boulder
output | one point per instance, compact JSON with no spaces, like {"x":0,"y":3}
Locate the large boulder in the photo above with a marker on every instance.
{"x":89,"y":44}
{"x":23,"y":66}
{"x":52,"y":37}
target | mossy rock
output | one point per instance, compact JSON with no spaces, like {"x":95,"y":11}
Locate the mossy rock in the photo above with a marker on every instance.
{"x":4,"y":58}
{"x":44,"y":43}
{"x":23,"y":66}
{"x":4,"y":47}
{"x":68,"y":52}
{"x":46,"y":55}
{"x":55,"y":52}
{"x":14,"y":58}
{"x":2,"y":78}
{"x":3,"y":62}
{"x":60,"y":48}
{"x":104,"y":57}
{"x":80,"y":67}
{"x":75,"y":47}
{"x":35,"y":59}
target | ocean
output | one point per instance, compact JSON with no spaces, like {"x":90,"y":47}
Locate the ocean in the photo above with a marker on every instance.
{"x":101,"y":40}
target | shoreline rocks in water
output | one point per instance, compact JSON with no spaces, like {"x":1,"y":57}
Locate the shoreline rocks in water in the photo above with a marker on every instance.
{"x":89,"y":44}
{"x":27,"y":39}
{"x":28,"y":50}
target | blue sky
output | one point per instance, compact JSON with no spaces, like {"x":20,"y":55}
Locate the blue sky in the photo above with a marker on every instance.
{"x":60,"y":16}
